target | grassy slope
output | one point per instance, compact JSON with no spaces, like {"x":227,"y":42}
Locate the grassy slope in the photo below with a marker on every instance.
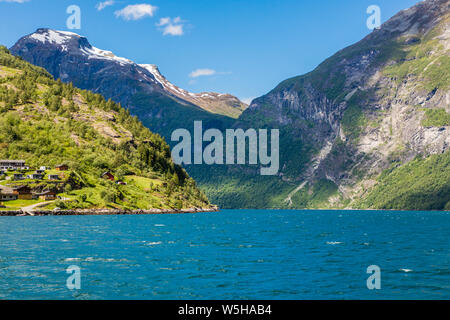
{"x":46,"y":122}
{"x":421,"y":184}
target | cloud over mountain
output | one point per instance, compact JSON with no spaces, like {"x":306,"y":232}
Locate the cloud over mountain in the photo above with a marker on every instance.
{"x":202,"y":72}
{"x":136,"y":11}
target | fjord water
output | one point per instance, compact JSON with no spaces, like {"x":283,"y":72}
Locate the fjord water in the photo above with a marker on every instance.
{"x":233,"y":254}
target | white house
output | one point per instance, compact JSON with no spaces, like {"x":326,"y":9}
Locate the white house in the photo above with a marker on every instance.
{"x":13,"y":165}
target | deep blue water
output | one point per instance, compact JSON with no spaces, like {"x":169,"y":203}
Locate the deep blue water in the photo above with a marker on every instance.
{"x":234,"y":254}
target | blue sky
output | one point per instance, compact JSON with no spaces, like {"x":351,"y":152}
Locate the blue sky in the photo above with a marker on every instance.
{"x":242,"y":47}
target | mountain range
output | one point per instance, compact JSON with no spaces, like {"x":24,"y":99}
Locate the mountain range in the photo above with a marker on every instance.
{"x":140,"y":87}
{"x":368,"y":128}
{"x":46,"y":123}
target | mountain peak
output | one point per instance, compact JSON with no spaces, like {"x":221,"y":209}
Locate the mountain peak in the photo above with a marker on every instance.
{"x":417,"y":19}
{"x":66,"y":41}
{"x":225,"y":104}
{"x":55,"y":37}
{"x":71,"y":57}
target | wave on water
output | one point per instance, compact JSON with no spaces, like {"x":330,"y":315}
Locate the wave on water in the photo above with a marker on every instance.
{"x":92,"y":259}
{"x":333,"y":242}
{"x":152,"y":243}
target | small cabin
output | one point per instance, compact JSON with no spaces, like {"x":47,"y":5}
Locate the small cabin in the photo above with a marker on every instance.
{"x":7,"y":194}
{"x":13,"y":165}
{"x":24,"y":192}
{"x":43,"y":168}
{"x":47,"y":195}
{"x":62,"y":167}
{"x":108,"y":175}
{"x":18,"y":176}
{"x":121,"y":183}
{"x":36,"y":176}
{"x":53,"y":177}
{"x":39,"y":171}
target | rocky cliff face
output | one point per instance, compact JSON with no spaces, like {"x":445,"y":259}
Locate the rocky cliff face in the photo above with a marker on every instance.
{"x":381,"y":101}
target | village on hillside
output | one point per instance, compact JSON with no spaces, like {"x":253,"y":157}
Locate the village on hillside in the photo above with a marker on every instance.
{"x":22,"y":185}
{"x":16,"y":178}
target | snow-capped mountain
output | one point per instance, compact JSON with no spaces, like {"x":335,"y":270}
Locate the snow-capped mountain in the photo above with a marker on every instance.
{"x":225,"y":104}
{"x":70,"y":57}
{"x":62,"y":39}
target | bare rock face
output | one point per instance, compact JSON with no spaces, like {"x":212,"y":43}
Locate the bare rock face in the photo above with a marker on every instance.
{"x":370,"y":101}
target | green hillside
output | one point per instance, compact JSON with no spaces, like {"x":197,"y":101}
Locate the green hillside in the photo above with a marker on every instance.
{"x":422,"y":184}
{"x":46,"y":122}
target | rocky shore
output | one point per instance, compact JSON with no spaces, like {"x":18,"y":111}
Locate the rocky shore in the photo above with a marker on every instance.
{"x":93,"y":212}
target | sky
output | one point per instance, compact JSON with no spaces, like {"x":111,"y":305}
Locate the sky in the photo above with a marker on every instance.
{"x":242,"y":47}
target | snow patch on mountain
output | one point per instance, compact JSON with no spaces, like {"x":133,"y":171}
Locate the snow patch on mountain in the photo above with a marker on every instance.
{"x":62,"y":39}
{"x":96,"y":53}
{"x":54,"y":37}
{"x":153,"y":69}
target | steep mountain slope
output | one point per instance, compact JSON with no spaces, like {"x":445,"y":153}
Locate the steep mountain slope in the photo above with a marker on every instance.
{"x":224,"y":104}
{"x":141,"y":88}
{"x":373,"y":106}
{"x":368,"y":128}
{"x":46,"y":122}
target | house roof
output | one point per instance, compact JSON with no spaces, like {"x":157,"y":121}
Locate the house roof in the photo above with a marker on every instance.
{"x":6,"y":190}
{"x":12,"y":161}
{"x":46,"y":192}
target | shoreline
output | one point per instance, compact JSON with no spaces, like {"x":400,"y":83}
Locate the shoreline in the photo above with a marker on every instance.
{"x":103,"y":212}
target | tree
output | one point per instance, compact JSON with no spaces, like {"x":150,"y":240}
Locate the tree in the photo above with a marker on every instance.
{"x":67,"y":188}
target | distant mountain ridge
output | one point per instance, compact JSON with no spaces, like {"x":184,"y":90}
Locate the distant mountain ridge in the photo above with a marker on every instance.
{"x":69,"y":55}
{"x":220,"y":103}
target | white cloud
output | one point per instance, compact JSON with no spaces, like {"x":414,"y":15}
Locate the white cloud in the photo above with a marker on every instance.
{"x":17,"y":1}
{"x":169,"y":26}
{"x":102,"y":5}
{"x":136,"y":11}
{"x":173,"y":30}
{"x":163,"y":21}
{"x":202,"y":72}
